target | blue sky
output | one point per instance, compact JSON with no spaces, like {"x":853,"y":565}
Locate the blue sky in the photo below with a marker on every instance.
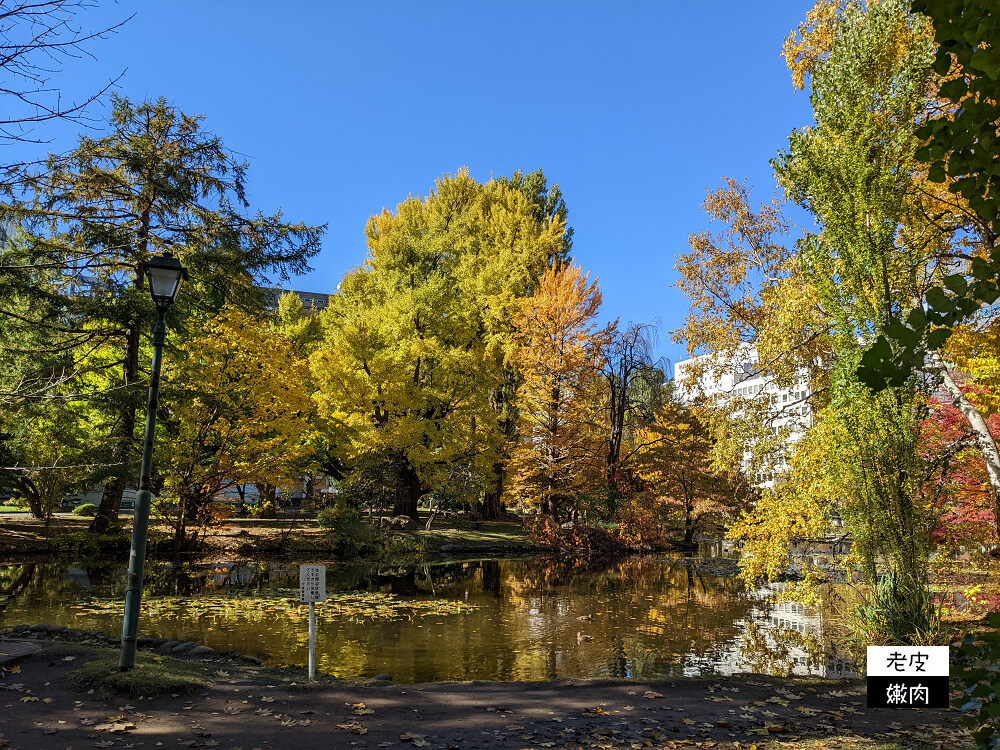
{"x":341,"y":108}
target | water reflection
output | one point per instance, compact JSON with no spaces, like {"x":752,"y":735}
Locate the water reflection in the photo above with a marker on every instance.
{"x":642,"y":617}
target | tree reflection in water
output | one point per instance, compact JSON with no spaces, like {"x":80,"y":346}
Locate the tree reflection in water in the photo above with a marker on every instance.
{"x":639,"y":617}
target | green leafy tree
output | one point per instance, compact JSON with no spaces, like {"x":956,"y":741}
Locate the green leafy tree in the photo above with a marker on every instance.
{"x":157,"y":181}
{"x":961,"y":153}
{"x":854,"y":171}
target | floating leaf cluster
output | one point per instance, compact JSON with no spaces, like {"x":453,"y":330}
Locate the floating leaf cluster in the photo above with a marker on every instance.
{"x":355,"y":606}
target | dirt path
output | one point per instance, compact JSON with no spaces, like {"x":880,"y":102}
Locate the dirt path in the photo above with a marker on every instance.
{"x":246,"y":708}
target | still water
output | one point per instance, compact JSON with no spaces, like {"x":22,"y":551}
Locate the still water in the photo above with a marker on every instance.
{"x":641,"y":617}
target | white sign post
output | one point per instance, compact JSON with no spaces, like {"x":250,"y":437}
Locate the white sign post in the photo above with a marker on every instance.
{"x":312,"y":589}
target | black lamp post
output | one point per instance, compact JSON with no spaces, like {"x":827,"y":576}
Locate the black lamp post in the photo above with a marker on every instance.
{"x":165,"y":274}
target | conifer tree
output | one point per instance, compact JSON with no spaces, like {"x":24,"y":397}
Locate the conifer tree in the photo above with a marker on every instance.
{"x":92,"y":219}
{"x":559,"y":357}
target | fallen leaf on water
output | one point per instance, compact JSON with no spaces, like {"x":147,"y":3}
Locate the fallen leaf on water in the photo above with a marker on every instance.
{"x":267,"y":699}
{"x":16,"y":669}
{"x":686,"y":720}
{"x":411,"y":736}
{"x":652,"y":694}
{"x":361,"y":710}
{"x":28,"y":699}
{"x":48,"y":700}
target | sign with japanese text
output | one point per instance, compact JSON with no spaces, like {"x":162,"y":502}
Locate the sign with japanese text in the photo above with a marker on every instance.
{"x":907,"y":676}
{"x":312,"y":583}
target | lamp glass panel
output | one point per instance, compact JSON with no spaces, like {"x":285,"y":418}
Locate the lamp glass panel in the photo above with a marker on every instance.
{"x":164,"y":282}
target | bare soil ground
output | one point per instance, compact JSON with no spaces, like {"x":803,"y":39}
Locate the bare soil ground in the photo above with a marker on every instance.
{"x":244,"y":707}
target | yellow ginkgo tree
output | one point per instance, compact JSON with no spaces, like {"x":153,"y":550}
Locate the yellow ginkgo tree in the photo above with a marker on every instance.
{"x":235,"y":412}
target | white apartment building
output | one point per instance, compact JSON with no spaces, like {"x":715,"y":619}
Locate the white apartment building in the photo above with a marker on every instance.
{"x":788,"y":408}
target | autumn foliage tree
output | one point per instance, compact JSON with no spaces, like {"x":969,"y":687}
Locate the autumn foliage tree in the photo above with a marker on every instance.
{"x":956,"y":483}
{"x":559,"y":357}
{"x":235,"y":412}
{"x":685,"y":490}
{"x":416,"y":341}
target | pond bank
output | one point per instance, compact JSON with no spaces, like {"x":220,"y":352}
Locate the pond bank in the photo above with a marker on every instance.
{"x":241,"y":705}
{"x":23,"y":537}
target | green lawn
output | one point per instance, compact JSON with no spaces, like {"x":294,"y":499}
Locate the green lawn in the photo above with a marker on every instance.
{"x":488,"y":535}
{"x":12,"y":509}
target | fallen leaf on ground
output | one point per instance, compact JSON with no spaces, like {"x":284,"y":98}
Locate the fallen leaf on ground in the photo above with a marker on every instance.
{"x":353,"y":726}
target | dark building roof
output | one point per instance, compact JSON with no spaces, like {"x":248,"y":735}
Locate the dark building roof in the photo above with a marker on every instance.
{"x":310,"y":300}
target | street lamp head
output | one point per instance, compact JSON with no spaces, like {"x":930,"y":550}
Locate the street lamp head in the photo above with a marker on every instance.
{"x":165,"y":273}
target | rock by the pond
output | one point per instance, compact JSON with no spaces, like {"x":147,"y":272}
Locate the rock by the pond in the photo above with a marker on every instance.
{"x":13,"y":650}
{"x":252,"y":659}
{"x":166,"y":646}
{"x":447,"y":547}
{"x":182,"y":647}
{"x":399,"y":523}
{"x":40,"y":628}
{"x":384,"y":676}
{"x":145,"y":641}
{"x":200,"y":650}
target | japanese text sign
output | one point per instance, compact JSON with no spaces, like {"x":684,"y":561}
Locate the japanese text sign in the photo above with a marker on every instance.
{"x":312,"y":583}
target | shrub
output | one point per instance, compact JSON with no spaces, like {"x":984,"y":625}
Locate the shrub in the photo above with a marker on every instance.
{"x":85,"y":509}
{"x":353,"y":535}
{"x":978,"y":657}
{"x":264,"y":509}
{"x":900,"y":609}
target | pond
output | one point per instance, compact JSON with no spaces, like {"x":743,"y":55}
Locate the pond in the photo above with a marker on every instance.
{"x":641,"y":617}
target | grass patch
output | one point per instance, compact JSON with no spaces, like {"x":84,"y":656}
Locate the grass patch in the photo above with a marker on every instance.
{"x":489,"y":534}
{"x":12,"y":509}
{"x":152,"y":677}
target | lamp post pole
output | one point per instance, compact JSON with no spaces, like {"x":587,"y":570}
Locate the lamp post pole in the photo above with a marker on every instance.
{"x":140,"y":520}
{"x":165,"y":275}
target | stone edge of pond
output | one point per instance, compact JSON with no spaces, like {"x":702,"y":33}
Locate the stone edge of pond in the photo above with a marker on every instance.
{"x":162,"y":646}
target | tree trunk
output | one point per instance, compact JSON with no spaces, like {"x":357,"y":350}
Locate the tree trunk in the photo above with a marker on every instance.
{"x":124,"y":440}
{"x":32,"y":495}
{"x":491,"y":498}
{"x":266,"y":501}
{"x":984,"y":439}
{"x":408,"y":494}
